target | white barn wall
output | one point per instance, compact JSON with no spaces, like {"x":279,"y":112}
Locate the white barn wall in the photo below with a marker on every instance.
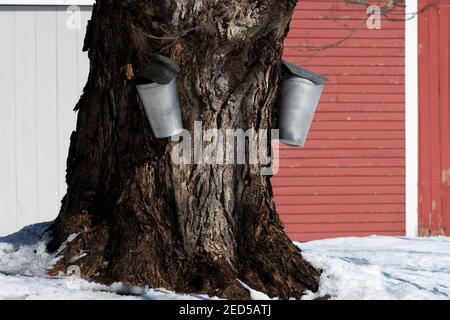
{"x":42,"y":74}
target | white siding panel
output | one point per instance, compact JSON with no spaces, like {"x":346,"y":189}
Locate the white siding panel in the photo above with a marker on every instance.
{"x":83,"y":60}
{"x":47,"y":113}
{"x":26,"y":141}
{"x":7,"y":123}
{"x":42,"y":74}
{"x":68,"y":94}
{"x":48,"y":2}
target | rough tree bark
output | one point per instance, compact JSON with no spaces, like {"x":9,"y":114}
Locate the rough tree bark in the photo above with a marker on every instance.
{"x":143,"y":220}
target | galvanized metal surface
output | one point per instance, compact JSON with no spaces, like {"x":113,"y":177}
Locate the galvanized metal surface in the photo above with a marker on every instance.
{"x":160,"y":69}
{"x":293,"y":69}
{"x":299,"y":99}
{"x":162,"y":107}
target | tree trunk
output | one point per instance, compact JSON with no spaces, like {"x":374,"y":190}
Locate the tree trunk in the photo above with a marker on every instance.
{"x":140,"y":218}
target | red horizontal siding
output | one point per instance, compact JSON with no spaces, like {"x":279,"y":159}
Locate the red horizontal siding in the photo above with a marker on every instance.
{"x":343,"y":218}
{"x":339,"y":189}
{"x":346,"y":227}
{"x":349,"y":180}
{"x":305,"y":235}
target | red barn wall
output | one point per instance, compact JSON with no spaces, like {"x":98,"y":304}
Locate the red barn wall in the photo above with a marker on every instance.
{"x":349,"y":180}
{"x":434,"y":118}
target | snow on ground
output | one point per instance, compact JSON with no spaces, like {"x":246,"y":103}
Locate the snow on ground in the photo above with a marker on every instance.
{"x":353,"y":268}
{"x":23,"y":265}
{"x":382,"y":267}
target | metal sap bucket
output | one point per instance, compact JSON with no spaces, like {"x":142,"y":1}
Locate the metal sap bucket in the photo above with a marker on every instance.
{"x":300,"y":94}
{"x":157,"y":88}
